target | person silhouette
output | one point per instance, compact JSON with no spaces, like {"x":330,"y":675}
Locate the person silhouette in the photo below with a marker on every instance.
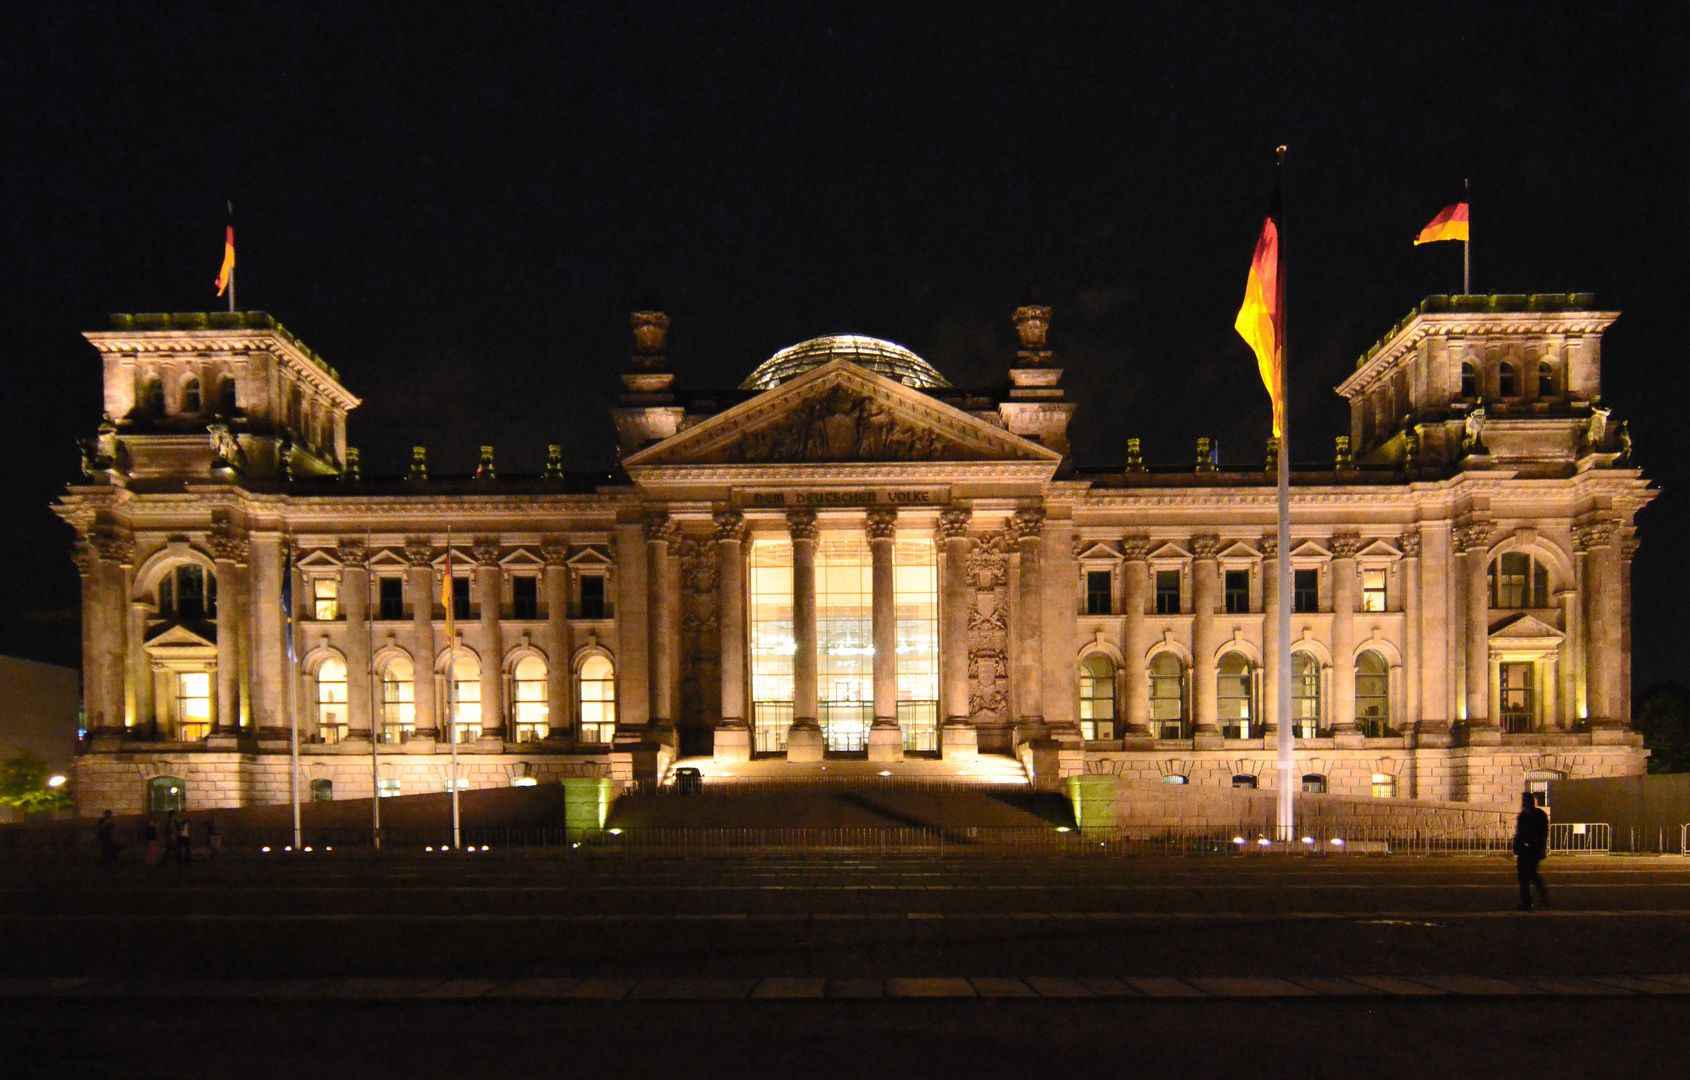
{"x":1531,"y":844}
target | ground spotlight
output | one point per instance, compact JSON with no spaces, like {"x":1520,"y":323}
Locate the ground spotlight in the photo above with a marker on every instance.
{"x":265,"y":848}
{"x":1063,"y":828}
{"x":616,"y":832}
{"x":1238,"y":839}
{"x":1337,"y":842}
{"x":1308,"y":839}
{"x":1264,"y":841}
{"x":308,"y":848}
{"x":288,"y":848}
{"x":55,"y":781}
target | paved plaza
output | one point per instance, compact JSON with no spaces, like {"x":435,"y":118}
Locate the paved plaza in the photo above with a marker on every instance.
{"x":843,"y":962}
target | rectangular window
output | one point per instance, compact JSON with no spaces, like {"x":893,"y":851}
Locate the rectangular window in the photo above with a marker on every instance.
{"x":325,"y":599}
{"x":1518,"y":678}
{"x":525,"y":598}
{"x":389,"y":786}
{"x":915,"y":592}
{"x":1237,"y":592}
{"x":1305,"y":591}
{"x":391,"y":598}
{"x":1167,"y":592}
{"x":193,"y":705}
{"x":1373,"y":590}
{"x":460,"y":598}
{"x":1098,"y":592}
{"x":844,"y":640}
{"x":592,"y":596}
{"x":772,"y":646}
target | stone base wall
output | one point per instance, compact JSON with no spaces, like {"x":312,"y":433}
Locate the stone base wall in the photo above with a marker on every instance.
{"x":1147,"y":806}
{"x":217,"y":781}
{"x":1483,"y":775}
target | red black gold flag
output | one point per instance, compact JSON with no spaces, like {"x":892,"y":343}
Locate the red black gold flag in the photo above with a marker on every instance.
{"x":1260,"y":320}
{"x":224,"y":275}
{"x":1450,"y":224}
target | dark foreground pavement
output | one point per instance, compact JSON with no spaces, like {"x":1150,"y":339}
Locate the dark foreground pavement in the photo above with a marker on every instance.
{"x":844,"y":965}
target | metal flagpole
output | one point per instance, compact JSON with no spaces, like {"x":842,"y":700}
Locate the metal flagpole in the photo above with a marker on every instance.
{"x":292,"y":688}
{"x":375,"y":700}
{"x":1287,"y":734}
{"x":450,"y":599}
{"x":1467,"y":244}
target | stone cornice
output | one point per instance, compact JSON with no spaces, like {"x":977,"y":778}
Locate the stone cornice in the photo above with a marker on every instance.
{"x":1472,"y":324}
{"x":162,"y":344}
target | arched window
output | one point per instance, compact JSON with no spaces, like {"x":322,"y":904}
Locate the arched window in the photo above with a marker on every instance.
{"x":1176,"y":779}
{"x":1545,"y":380}
{"x":1244,"y":780}
{"x":331,"y":701}
{"x":528,"y":699}
{"x":226,"y":402}
{"x":1167,"y":696}
{"x":183,"y":594}
{"x":1384,"y":786}
{"x":191,"y":397}
{"x":1305,"y":695}
{"x":1469,"y":381}
{"x":152,"y":397}
{"x":466,"y":698}
{"x":166,"y":794}
{"x":398,"y":701}
{"x":1506,"y":386}
{"x":596,"y":692}
{"x":1314,"y":784}
{"x":1097,"y":697}
{"x":322,"y":790}
{"x":1518,"y":581}
{"x":1232,"y":695}
{"x":1373,"y":695}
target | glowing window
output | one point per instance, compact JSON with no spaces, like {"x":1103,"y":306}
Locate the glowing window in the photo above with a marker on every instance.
{"x":1518,"y":581}
{"x":1097,"y":697}
{"x":596,"y":693}
{"x":1305,"y":695}
{"x":1384,"y":786}
{"x":915,"y":598}
{"x":1373,"y":694}
{"x":769,"y":569}
{"x":1519,"y":678}
{"x":193,"y":705}
{"x":844,"y":639}
{"x":331,"y":700}
{"x":466,"y":698}
{"x":398,"y":701}
{"x":1167,"y":695}
{"x":528,"y":699}
{"x":1373,"y":590}
{"x":1176,"y":779}
{"x":1232,"y":695}
{"x":325,"y":599}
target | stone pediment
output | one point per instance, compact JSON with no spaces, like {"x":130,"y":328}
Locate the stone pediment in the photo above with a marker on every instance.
{"x":1524,"y":627}
{"x":179,"y":639}
{"x":841,"y":412}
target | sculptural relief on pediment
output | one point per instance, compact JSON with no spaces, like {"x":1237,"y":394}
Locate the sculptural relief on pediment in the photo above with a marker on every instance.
{"x":840,"y":425}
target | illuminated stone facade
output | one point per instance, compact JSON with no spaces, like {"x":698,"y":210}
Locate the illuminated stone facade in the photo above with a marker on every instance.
{"x":850,"y":557}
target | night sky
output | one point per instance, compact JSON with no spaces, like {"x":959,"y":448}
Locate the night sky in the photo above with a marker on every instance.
{"x":459,"y":212}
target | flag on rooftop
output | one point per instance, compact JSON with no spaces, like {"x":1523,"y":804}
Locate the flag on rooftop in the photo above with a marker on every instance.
{"x":225,"y":275}
{"x":1450,"y":224}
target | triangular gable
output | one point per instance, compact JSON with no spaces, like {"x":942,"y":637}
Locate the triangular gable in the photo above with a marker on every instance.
{"x":521,"y":559}
{"x":841,"y":412}
{"x":387,"y":560}
{"x":1524,"y":627}
{"x":1309,"y":549}
{"x":1098,"y":549}
{"x":1379,"y":549}
{"x":460,"y":557}
{"x":320,"y":559}
{"x":1170,"y":550}
{"x":179,"y":637}
{"x":1238,"y":549}
{"x":588,"y":557}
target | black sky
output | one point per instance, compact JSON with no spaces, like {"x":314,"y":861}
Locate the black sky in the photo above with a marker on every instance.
{"x":459,"y":209}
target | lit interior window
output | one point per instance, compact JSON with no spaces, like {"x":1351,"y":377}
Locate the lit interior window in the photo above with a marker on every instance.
{"x":598,"y":700}
{"x":528,"y":699}
{"x":331,"y":701}
{"x":325,"y":593}
{"x":772,"y":645}
{"x":193,"y":705}
{"x":1373,"y":590}
{"x":466,"y":698}
{"x":398,"y":701}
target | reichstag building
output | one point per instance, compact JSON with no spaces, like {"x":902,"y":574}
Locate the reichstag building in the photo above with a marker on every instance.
{"x":848,"y":558}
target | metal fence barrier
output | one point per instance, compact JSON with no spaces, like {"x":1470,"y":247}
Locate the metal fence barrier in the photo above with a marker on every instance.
{"x":1579,"y":838}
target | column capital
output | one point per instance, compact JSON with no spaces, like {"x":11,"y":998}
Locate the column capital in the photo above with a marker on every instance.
{"x":1205,"y":546}
{"x":1593,"y":532}
{"x":85,"y":557}
{"x":419,"y":552}
{"x":661,"y":528}
{"x":1269,"y":544}
{"x":883,"y":523}
{"x":486,"y":551}
{"x":352,"y":553}
{"x":1409,"y":542}
{"x":1345,"y":545}
{"x":554,"y":551}
{"x":1136,"y":548}
{"x":1025,"y":525}
{"x":730,"y":526}
{"x":1472,"y":535}
{"x":226,"y":545}
{"x":802,"y":524}
{"x":953,"y":523}
{"x":114,"y":547}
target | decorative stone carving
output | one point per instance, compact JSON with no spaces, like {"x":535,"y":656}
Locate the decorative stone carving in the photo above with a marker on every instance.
{"x":1472,"y":534}
{"x":988,"y":566}
{"x":554,"y":551}
{"x":85,"y":558}
{"x":698,"y":566}
{"x":225,"y":448}
{"x":730,"y":525}
{"x":1628,"y":548}
{"x":840,"y":425}
{"x":1473,"y":431}
{"x":701,"y":684}
{"x":1595,"y":435}
{"x":651,"y":332}
{"x":662,"y":527}
{"x":114,"y":548}
{"x":1345,"y":545}
{"x":1136,"y":548}
{"x":1025,"y":525}
{"x":486,"y":551}
{"x":419,"y":552}
{"x":554,"y":463}
{"x":1270,"y":546}
{"x":419,"y":464}
{"x":882,"y":524}
{"x":227,"y":545}
{"x":953,"y":523}
{"x":802,"y":524}
{"x":1032,"y":324}
{"x":484,"y":470}
{"x":1593,"y":533}
{"x":1205,"y":546}
{"x":1409,"y":542}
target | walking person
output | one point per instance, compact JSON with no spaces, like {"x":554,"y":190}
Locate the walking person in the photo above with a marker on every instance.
{"x":106,"y":832}
{"x":1531,"y":844}
{"x":149,"y":836}
{"x":184,"y":840}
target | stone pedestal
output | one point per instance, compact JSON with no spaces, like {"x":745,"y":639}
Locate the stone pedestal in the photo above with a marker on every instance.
{"x":885,"y":743}
{"x":804,"y":742}
{"x":1208,"y":739}
{"x":732,"y":744}
{"x":959,"y":742}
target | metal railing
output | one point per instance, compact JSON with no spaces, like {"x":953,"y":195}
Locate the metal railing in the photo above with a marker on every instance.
{"x":1579,"y":838}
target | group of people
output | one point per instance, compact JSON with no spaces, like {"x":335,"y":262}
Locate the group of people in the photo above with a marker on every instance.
{"x":173,"y":842}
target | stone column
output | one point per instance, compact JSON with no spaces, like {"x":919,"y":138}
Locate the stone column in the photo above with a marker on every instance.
{"x":1135,"y":593}
{"x":490,"y":597}
{"x":1205,"y":585}
{"x":419,"y":584}
{"x":885,"y":738}
{"x":355,"y":605}
{"x":560,"y":716}
{"x":1409,"y":721}
{"x":1603,"y":611}
{"x":733,"y":734}
{"x":1344,"y":730}
{"x":108,"y":634}
{"x":958,"y":738}
{"x":1026,"y":646}
{"x":228,"y":551}
{"x":264,"y":605}
{"x":1549,"y":705}
{"x":1271,"y":645}
{"x":804,"y":739}
{"x":1483,"y":726}
{"x":661,"y":536}
{"x":97,"y":713}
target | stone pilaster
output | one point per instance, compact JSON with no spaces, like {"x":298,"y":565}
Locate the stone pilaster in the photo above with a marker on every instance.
{"x":419,"y":586}
{"x":959,"y":739}
{"x":355,"y":606}
{"x":804,"y":739}
{"x":1271,"y":645}
{"x":1472,"y":538}
{"x":1412,"y":630}
{"x":1344,"y":730}
{"x":1135,"y":592}
{"x":1603,"y":611}
{"x":661,"y":536}
{"x":733,"y":734}
{"x":490,"y":595}
{"x":885,"y":739}
{"x":1205,"y":587}
{"x":560,"y":716}
{"x":1026,"y":647}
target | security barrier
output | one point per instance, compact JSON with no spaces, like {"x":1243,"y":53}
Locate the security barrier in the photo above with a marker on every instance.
{"x":1579,"y":838}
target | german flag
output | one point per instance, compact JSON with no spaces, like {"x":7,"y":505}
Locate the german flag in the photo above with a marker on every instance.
{"x":227,"y":274}
{"x":1260,"y":320}
{"x":1450,"y":224}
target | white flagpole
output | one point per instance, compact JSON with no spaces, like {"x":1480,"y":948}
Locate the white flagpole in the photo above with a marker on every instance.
{"x":375,"y":707}
{"x":1287,"y":734}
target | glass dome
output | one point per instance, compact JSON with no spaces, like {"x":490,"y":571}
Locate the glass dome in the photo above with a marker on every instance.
{"x":882,"y":357}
